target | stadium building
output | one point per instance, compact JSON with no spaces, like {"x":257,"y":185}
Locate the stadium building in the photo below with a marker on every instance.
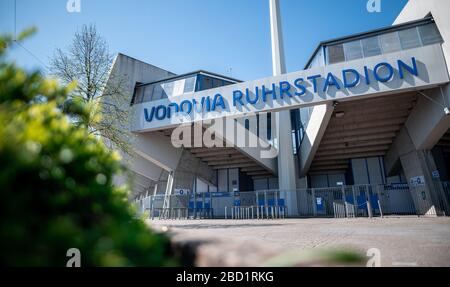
{"x":362,"y":130}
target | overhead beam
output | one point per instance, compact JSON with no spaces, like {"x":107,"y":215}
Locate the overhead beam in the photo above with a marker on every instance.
{"x":366,"y":123}
{"x":363,"y":129}
{"x":227,"y":166}
{"x":198,"y":150}
{"x":224,"y":162}
{"x":368,"y":118}
{"x":350,"y":151}
{"x":368,"y":137}
{"x":355,"y":155}
{"x":354,"y":144}
{"x":331,"y":167}
{"x":223,"y":157}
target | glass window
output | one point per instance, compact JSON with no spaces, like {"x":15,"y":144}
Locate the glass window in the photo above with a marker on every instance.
{"x":148,"y":91}
{"x":305,"y":115}
{"x":409,"y":38}
{"x":371,"y":47}
{"x":217,"y":83}
{"x":335,"y":54}
{"x":430,"y":34}
{"x":189,"y":85}
{"x":139,"y":95}
{"x":167,"y":89}
{"x":390,"y":42}
{"x":353,"y":50}
{"x":226,"y":83}
{"x":157,"y":92}
{"x":206,"y":83}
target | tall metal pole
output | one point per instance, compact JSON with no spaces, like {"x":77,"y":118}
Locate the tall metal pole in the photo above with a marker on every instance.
{"x":286,"y":167}
{"x":278,"y":61}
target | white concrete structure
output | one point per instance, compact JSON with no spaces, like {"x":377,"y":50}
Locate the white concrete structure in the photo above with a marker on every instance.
{"x":369,"y":109}
{"x":283,"y":118}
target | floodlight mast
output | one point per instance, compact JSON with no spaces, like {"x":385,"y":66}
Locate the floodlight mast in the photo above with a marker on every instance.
{"x":286,"y":167}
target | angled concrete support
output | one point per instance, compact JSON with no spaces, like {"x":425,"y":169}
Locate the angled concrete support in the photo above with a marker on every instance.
{"x":320,"y":117}
{"x":428,"y":121}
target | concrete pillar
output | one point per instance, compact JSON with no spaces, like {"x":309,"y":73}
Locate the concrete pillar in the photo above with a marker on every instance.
{"x":286,"y":167}
{"x":418,"y":166}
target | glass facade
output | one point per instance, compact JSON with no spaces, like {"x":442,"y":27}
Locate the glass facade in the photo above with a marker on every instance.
{"x":177,"y":87}
{"x":374,"y":45}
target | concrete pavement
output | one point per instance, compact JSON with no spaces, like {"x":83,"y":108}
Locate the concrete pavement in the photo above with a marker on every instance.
{"x":402,"y":241}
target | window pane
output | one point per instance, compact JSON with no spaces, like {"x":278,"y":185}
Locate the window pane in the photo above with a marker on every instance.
{"x":335,"y":54}
{"x":168,"y":89}
{"x":157,"y":92}
{"x":139,"y":95}
{"x":353,"y":50}
{"x":226,"y":83}
{"x":207,"y":83}
{"x":217,"y":83}
{"x":390,"y":42}
{"x":409,"y":38}
{"x":148,"y":91}
{"x":430,"y":34}
{"x":371,"y":47}
{"x":189,"y":85}
{"x":305,"y":115}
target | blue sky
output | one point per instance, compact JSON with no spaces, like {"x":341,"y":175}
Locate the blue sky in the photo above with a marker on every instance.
{"x":186,"y":35}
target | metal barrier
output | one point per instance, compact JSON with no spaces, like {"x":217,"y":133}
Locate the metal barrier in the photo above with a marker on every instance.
{"x":185,"y":206}
{"x":333,"y":202}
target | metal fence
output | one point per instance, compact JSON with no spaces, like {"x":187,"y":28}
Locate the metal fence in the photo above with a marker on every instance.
{"x":180,"y":206}
{"x":337,"y":202}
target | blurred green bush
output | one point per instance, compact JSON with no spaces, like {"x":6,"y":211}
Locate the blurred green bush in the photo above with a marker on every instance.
{"x":56,"y":188}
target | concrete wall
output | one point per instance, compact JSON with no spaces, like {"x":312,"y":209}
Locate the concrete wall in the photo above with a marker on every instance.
{"x":428,"y":122}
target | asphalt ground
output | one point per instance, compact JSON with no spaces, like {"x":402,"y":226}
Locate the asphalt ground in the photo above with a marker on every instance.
{"x":401,"y":241}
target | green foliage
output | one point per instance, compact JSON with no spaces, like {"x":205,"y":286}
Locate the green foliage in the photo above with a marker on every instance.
{"x":56,"y":188}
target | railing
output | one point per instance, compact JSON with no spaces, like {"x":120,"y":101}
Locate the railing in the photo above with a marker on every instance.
{"x":333,"y":202}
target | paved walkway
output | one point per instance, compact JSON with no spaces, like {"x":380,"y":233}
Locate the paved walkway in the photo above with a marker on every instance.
{"x":403,"y":241}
